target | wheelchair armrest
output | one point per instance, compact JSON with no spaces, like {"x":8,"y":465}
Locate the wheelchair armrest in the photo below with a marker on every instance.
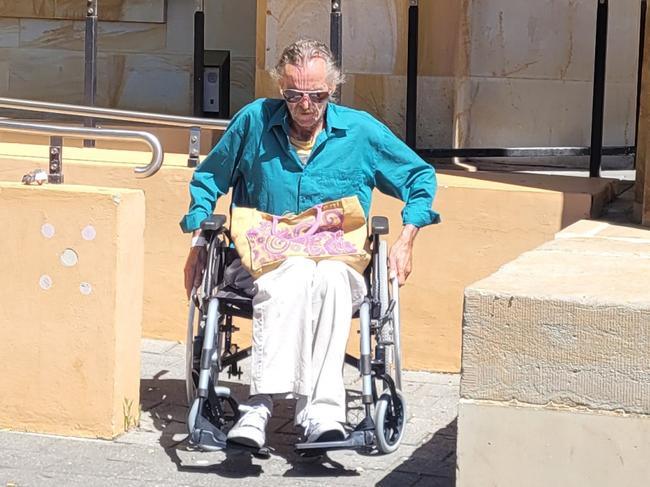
{"x":379,"y":225}
{"x":213,"y":223}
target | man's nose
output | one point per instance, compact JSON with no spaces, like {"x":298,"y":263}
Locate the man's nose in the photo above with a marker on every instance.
{"x":304,"y":102}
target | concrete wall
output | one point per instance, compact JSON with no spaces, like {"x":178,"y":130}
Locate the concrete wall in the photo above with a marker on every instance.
{"x":555,"y":387}
{"x":70,"y":308}
{"x":489,"y":219}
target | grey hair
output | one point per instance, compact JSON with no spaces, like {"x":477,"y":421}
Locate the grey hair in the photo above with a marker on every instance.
{"x":302,"y":51}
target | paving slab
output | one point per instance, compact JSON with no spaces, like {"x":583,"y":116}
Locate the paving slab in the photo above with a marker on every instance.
{"x":157,"y":453}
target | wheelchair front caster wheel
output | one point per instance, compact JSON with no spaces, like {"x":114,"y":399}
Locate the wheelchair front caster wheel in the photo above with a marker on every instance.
{"x":390,"y":421}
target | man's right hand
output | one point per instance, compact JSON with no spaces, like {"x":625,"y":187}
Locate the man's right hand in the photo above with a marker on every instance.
{"x":194,"y":266}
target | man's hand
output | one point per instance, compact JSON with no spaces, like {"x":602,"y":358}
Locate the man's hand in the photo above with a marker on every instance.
{"x":400,"y":258}
{"x":194,"y":266}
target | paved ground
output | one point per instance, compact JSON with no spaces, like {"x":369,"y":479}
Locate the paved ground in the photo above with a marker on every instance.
{"x":157,"y":454}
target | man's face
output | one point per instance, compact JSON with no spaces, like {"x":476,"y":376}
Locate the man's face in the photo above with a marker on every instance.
{"x":311,"y":77}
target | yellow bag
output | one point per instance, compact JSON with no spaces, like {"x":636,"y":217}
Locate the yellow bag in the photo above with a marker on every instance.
{"x":334,"y":230}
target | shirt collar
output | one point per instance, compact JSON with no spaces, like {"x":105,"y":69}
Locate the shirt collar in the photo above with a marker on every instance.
{"x":333,"y":118}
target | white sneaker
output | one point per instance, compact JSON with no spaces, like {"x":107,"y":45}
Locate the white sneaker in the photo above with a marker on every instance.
{"x":250,"y":430}
{"x":321,"y":431}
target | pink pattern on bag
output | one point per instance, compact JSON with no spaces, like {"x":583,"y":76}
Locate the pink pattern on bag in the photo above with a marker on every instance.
{"x":316,"y":236}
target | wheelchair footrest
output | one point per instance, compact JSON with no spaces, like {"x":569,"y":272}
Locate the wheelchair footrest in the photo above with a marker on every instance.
{"x":207,"y":436}
{"x":356,"y":439}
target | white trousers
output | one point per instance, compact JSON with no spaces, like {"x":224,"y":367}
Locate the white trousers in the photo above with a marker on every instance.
{"x":301,"y":322}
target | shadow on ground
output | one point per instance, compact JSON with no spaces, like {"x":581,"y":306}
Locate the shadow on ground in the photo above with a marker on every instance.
{"x":164,"y":401}
{"x":434,"y":461}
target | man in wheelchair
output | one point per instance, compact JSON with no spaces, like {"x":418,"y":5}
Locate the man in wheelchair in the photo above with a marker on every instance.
{"x":287,"y":156}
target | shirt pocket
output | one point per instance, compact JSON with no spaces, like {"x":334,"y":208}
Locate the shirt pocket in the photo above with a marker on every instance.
{"x":340,"y":182}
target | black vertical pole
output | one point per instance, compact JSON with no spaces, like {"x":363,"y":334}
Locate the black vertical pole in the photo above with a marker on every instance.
{"x":412,"y":74}
{"x":90,"y":66}
{"x":639,"y":76}
{"x":199,"y":56}
{"x":599,"y":89}
{"x":336,"y":38}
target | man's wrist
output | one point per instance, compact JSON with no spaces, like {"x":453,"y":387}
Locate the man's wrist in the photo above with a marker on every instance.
{"x":409,"y":231}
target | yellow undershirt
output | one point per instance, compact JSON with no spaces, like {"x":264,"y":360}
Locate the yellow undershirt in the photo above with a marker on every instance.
{"x":303,"y":148}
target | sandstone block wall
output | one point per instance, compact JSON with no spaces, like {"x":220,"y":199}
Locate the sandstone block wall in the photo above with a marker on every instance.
{"x":555,"y":381}
{"x":145,"y":51}
{"x":484,"y":66}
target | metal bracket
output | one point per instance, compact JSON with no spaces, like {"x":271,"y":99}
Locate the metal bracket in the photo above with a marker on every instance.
{"x":55,"y":175}
{"x":91,"y":6}
{"x":195,"y":147}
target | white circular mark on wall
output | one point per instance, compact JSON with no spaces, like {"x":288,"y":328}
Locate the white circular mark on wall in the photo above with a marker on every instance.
{"x":69,"y":258}
{"x":85,"y":288}
{"x":47,"y":230}
{"x":45,"y":282}
{"x":89,"y":232}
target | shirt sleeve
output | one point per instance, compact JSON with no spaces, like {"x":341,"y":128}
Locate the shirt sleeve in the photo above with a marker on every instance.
{"x":214,"y":176}
{"x":401,"y":173}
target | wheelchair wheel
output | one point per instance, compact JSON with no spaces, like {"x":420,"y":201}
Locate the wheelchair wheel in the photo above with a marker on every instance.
{"x":390,"y":421}
{"x":195,"y":322}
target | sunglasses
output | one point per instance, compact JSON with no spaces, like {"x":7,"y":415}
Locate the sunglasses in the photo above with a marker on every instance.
{"x":295,"y":96}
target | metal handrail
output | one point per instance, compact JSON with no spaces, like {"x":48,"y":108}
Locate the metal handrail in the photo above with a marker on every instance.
{"x":95,"y":133}
{"x":113,"y":114}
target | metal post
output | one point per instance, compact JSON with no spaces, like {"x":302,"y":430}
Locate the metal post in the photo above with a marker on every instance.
{"x":412,"y":74}
{"x":336,"y":38}
{"x":199,"y":58}
{"x":598,"y":107}
{"x":55,"y":175}
{"x":199,"y":62}
{"x":90,"y":68}
{"x":639,"y":77}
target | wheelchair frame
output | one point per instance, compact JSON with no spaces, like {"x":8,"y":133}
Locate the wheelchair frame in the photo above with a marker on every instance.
{"x":210,"y":350}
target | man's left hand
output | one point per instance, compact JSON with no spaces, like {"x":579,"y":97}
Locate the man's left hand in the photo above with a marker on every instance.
{"x":401,"y":254}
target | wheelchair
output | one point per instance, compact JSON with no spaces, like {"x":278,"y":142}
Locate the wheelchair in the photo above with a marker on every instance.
{"x":226,"y":292}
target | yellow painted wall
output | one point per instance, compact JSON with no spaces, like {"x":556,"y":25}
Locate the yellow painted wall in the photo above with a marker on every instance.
{"x":71,"y":278}
{"x":488,"y":219}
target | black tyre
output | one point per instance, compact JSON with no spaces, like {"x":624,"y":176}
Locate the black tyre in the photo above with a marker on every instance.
{"x":390,"y":421}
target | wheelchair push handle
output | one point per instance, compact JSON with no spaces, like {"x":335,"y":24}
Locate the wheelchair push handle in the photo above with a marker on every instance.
{"x":379,"y":225}
{"x":213,"y":223}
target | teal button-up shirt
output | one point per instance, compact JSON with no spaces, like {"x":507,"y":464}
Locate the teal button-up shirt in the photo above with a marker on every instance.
{"x":352,"y":155}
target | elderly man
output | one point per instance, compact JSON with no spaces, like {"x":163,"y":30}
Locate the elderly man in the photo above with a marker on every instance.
{"x":285,"y":156}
